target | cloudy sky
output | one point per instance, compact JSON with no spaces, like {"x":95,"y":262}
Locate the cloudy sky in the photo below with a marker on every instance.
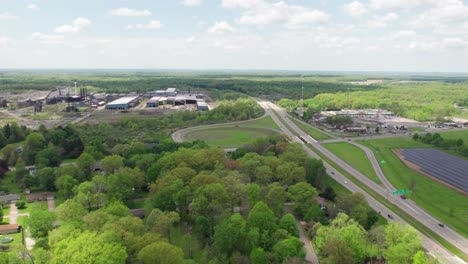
{"x":315,"y":35}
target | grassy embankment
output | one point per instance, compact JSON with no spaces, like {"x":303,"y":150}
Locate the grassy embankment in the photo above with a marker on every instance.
{"x":234,"y":135}
{"x":355,"y":157}
{"x":443,"y":203}
{"x":313,"y":132}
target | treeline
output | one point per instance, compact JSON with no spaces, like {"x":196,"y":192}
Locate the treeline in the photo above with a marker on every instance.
{"x":204,"y":207}
{"x":437,"y":140}
{"x":273,"y":87}
{"x":422,"y":102}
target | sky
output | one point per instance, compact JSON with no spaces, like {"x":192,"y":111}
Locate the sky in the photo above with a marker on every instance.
{"x":304,"y":35}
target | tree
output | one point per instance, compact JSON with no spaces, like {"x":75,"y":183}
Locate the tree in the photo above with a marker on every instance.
{"x":88,"y":247}
{"x":120,"y":187}
{"x":275,"y":198}
{"x":230,"y":234}
{"x":70,"y":212}
{"x":40,"y":223}
{"x":401,"y":242}
{"x":287,"y":248}
{"x":253,"y":194}
{"x":161,"y":253}
{"x":65,"y":185}
{"x":34,"y":143}
{"x":20,"y":204}
{"x":46,"y":177}
{"x":419,"y":257}
{"x":258,"y":256}
{"x":86,"y":164}
{"x":161,"y":222}
{"x":343,"y":241}
{"x":48,"y":157}
{"x":111,"y":164}
{"x":303,"y":195}
{"x":288,"y":223}
{"x":262,"y":218}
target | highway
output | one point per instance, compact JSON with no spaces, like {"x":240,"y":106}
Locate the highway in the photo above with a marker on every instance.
{"x":404,"y":205}
{"x":407,"y":206}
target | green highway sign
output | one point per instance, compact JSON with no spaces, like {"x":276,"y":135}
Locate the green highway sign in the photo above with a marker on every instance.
{"x":400,"y":192}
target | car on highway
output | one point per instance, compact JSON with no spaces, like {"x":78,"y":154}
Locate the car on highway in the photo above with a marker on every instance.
{"x":332,"y":172}
{"x":390,"y":216}
{"x":441,"y":225}
{"x":402,"y":196}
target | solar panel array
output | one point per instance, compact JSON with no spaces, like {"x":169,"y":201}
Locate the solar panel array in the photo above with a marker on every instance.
{"x":443,"y":166}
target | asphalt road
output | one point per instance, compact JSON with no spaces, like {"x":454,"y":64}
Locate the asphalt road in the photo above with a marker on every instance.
{"x":404,"y":205}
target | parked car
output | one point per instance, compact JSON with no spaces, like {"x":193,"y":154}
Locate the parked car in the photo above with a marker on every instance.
{"x":390,"y":216}
{"x":441,"y":225}
{"x":402,"y":196}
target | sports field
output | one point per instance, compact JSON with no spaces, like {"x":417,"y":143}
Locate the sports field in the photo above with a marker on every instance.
{"x":440,"y":201}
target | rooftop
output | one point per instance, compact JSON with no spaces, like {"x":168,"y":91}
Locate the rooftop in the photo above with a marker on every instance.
{"x":123,"y":100}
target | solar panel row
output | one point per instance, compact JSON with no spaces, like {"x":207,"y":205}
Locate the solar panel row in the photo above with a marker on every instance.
{"x":448,"y":168}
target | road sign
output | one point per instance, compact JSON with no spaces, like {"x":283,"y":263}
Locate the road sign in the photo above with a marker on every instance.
{"x":400,"y":191}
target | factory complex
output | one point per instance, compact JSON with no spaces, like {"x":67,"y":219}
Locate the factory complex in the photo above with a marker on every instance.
{"x":163,"y":98}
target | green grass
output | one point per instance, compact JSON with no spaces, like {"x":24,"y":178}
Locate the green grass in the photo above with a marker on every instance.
{"x":266,"y":122}
{"x":313,"y":132}
{"x":463,"y":134}
{"x":234,"y":135}
{"x":355,"y":157}
{"x":409,"y":219}
{"x":229,"y":137}
{"x":449,"y":206}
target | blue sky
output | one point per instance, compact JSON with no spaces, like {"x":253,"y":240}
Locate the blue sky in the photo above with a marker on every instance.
{"x":327,"y":35}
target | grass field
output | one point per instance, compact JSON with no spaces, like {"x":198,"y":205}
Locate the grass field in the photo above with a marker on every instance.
{"x":463,"y":134}
{"x":448,"y":206}
{"x":355,"y":157}
{"x":237,"y":135}
{"x":313,"y":132}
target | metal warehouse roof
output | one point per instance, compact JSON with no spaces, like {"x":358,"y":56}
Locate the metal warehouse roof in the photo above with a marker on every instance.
{"x":123,"y":100}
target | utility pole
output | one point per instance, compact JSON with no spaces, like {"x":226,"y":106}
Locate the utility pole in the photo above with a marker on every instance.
{"x":302,"y":82}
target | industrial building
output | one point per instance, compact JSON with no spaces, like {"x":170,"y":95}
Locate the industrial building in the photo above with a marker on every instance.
{"x":123,"y":103}
{"x":153,"y":102}
{"x":202,"y":106}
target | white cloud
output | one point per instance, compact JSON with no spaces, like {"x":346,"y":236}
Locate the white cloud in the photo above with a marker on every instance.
{"x":7,"y":16}
{"x":246,"y":4}
{"x":124,"y":11}
{"x":76,"y":26}
{"x":192,"y":2}
{"x":47,"y":38}
{"x":454,"y":43}
{"x":383,"y":21}
{"x":32,"y":6}
{"x":280,"y":12}
{"x":221,"y":27}
{"x":396,"y":4}
{"x":450,"y":18}
{"x":4,"y":41}
{"x":355,"y":8}
{"x":153,"y":24}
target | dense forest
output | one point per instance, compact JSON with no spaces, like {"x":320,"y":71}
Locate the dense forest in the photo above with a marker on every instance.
{"x":200,"y":206}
